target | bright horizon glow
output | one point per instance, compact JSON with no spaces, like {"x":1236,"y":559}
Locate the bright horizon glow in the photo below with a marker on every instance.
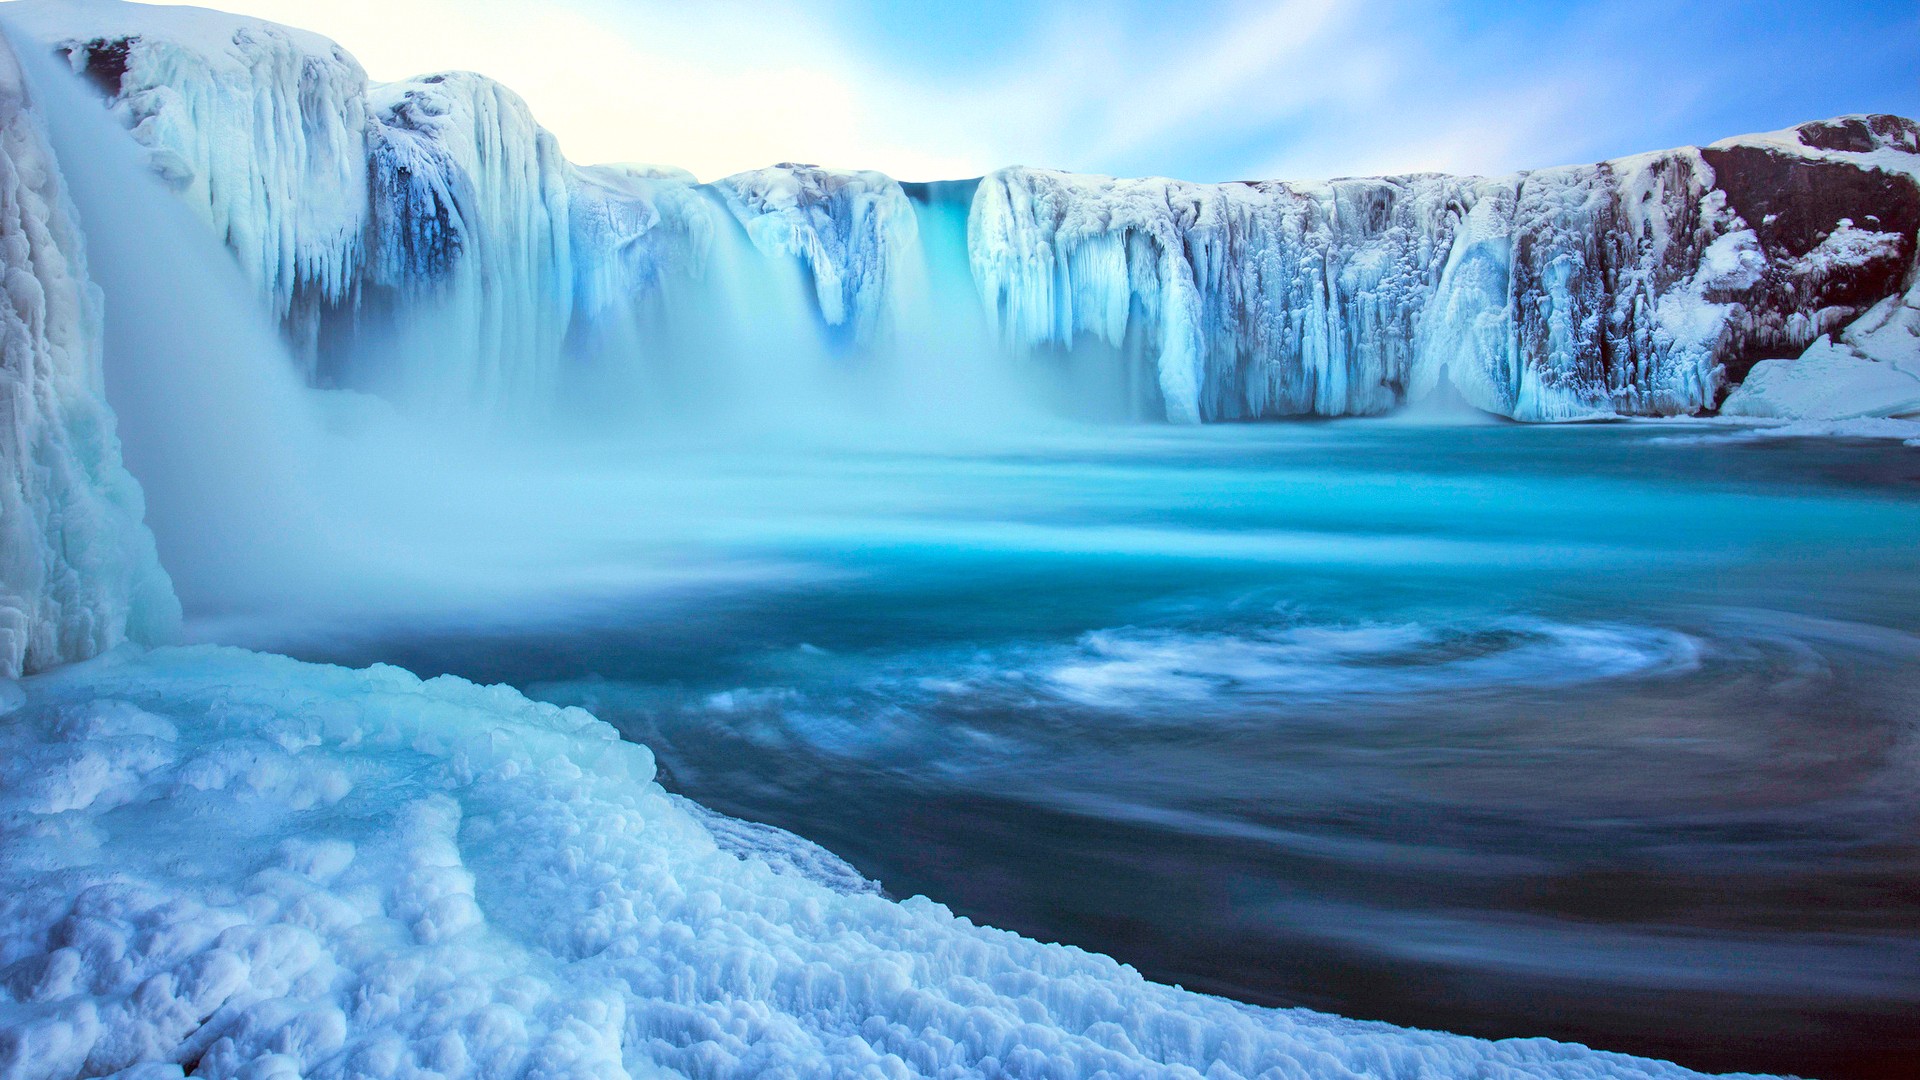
{"x":1298,"y":89}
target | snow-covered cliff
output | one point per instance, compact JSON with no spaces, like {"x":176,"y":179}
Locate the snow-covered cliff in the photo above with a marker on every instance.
{"x":78,"y":569}
{"x":426,"y":239}
{"x":1633,"y":287}
{"x":262,"y":127}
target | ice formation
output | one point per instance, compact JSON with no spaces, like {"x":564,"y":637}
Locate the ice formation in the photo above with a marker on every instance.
{"x":437,"y":879}
{"x":856,"y":232}
{"x":78,"y":569}
{"x":470,"y":238}
{"x":263,"y":128}
{"x":427,"y":239}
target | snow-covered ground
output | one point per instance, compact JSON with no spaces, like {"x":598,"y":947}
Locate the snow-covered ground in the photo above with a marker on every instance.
{"x":245,"y":866}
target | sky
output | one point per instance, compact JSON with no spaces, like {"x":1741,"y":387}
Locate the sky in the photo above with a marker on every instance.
{"x":1198,"y":89}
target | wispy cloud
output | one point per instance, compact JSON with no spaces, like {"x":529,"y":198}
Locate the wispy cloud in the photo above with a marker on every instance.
{"x":1209,"y":90}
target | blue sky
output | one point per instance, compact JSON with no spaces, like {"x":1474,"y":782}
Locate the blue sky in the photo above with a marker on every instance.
{"x":1201,"y":89}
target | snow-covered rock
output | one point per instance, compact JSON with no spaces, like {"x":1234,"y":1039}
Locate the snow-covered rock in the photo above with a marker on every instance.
{"x":78,"y":569}
{"x":1827,"y":382}
{"x":1872,"y":370}
{"x":246,"y":866}
{"x":1890,"y":331}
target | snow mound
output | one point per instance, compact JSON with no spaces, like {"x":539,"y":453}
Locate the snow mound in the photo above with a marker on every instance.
{"x":1873,"y":370}
{"x":1827,"y":382}
{"x":239,"y":864}
{"x":78,"y":569}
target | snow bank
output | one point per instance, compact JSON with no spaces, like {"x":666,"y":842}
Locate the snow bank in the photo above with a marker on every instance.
{"x":248,"y":866}
{"x":78,"y":569}
{"x":1827,"y":382}
{"x":1873,"y":370}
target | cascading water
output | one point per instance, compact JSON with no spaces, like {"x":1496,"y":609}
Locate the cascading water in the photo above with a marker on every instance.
{"x":210,"y":408}
{"x":268,"y":496}
{"x":946,"y":368}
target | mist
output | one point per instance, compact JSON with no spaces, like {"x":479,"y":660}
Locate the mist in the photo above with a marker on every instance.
{"x":670,"y":440}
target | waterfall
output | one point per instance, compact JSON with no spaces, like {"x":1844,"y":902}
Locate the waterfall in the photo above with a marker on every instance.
{"x":210,"y":408}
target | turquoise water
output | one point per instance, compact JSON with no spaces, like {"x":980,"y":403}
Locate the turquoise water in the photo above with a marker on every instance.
{"x":1605,"y":733}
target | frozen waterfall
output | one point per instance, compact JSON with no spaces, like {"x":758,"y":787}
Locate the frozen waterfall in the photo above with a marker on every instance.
{"x":426,"y":240}
{"x":80,"y":569}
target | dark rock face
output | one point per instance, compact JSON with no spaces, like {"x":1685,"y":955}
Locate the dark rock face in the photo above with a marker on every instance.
{"x":103,"y":61}
{"x":1862,"y":134}
{"x":1794,"y":203}
{"x":1800,"y":207}
{"x":416,"y":226}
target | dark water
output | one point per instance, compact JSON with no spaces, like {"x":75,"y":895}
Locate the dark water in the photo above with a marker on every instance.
{"x":1600,"y":733}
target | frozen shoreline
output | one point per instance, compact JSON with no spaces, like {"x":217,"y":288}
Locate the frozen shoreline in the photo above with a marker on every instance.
{"x":246,"y":864}
{"x":1746,"y":427}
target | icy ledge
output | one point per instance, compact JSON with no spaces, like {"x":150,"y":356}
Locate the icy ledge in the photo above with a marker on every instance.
{"x":242,"y":865}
